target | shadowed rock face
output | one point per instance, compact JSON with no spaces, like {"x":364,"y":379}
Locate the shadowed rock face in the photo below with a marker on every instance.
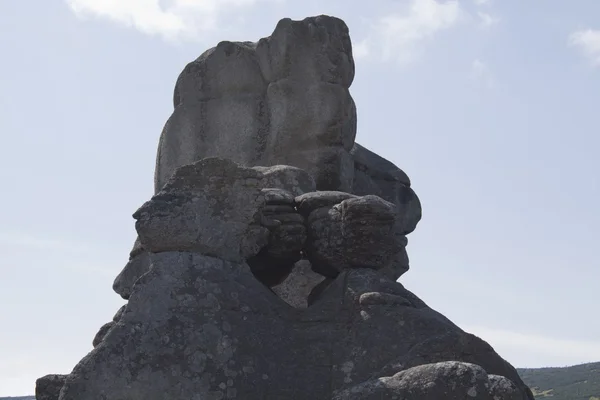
{"x":200,"y":325}
{"x":218,"y":242}
{"x":48,"y":387}
{"x":283,"y":100}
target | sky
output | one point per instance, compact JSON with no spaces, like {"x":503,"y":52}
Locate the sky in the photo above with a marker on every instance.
{"x":491,"y":108}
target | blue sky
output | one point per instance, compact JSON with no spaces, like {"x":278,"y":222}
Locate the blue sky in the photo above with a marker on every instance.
{"x":491,"y":107}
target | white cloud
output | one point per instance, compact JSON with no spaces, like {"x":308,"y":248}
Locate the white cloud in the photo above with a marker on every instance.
{"x":172,"y":19}
{"x":361,"y":49}
{"x":397,"y":35}
{"x":520,"y":349}
{"x":482,"y":2}
{"x":487,"y":20}
{"x":481,"y":73}
{"x":588,"y":42}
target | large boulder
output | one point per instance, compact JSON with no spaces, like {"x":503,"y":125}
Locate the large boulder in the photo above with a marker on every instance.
{"x":446,"y":380}
{"x":272,"y":266}
{"x":283,"y":100}
{"x":355,"y":232}
{"x":279,"y":281}
{"x":48,"y":387}
{"x":199,"y":324}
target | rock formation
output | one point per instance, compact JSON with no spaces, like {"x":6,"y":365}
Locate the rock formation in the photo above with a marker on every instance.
{"x":266,"y":262}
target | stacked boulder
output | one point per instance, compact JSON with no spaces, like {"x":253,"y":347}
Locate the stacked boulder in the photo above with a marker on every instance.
{"x":276,"y":281}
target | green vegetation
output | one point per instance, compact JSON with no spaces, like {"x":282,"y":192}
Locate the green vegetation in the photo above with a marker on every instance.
{"x":580,"y":382}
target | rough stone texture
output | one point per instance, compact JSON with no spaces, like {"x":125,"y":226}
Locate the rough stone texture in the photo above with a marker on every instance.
{"x":237,"y":337}
{"x":501,"y":388}
{"x":281,"y":180}
{"x":48,"y":387}
{"x":287,"y":236}
{"x":102,"y":332}
{"x":376,"y":175}
{"x":119,"y":313}
{"x":211,"y":206}
{"x":199,"y":326}
{"x":215,"y":271}
{"x":356,"y":232}
{"x":135,"y":267}
{"x":447,"y":380}
{"x":296,"y":289}
{"x":291,"y":179}
{"x":283,"y":100}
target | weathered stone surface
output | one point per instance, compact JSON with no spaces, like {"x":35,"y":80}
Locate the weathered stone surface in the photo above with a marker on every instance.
{"x":119,"y":313}
{"x":375,"y":175}
{"x":287,"y":236}
{"x":296,"y":289}
{"x":314,"y":49}
{"x":356,"y":232}
{"x":400,"y":262}
{"x":310,"y":202}
{"x":291,"y":179}
{"x":237,"y":337}
{"x":137,"y":248}
{"x":283,"y":182}
{"x":102,"y":332}
{"x":447,"y":380}
{"x":283,"y":100}
{"x":216,"y":265}
{"x":194,"y":328}
{"x":392,"y":330}
{"x":501,"y":388}
{"x":230,"y":69}
{"x":48,"y":387}
{"x":453,"y":345}
{"x":211,"y":207}
{"x":312,"y":126}
{"x":135,"y":267}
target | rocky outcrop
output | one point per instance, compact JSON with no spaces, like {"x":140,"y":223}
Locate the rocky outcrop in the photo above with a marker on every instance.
{"x":276,"y":281}
{"x":446,"y":380}
{"x":282,"y":100}
{"x":200,"y":323}
{"x":48,"y":387}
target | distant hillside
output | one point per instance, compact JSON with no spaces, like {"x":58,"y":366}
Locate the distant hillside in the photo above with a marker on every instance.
{"x":580,"y":382}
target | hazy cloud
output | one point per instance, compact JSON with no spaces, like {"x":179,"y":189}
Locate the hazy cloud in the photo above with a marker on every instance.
{"x":399,"y":35}
{"x":588,"y":42}
{"x":487,"y":20}
{"x":171,"y":19}
{"x":481,"y":73}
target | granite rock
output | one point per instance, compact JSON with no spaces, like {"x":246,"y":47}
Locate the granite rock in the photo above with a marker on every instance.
{"x":447,"y":380}
{"x":211,"y":207}
{"x":283,"y":100}
{"x":356,"y":232}
{"x":48,"y":387}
